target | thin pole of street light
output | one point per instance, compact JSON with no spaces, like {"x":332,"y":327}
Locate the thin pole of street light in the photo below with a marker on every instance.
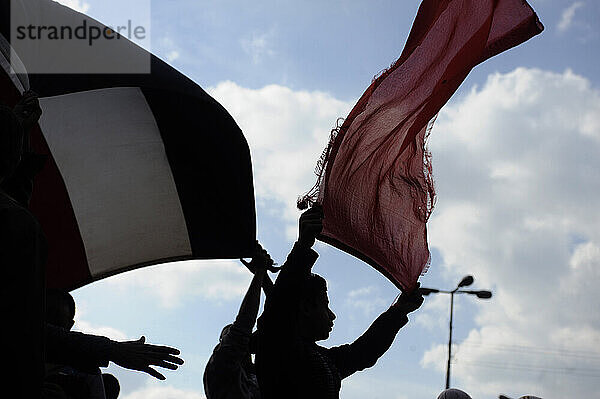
{"x":450,"y":342}
{"x":466,"y":281}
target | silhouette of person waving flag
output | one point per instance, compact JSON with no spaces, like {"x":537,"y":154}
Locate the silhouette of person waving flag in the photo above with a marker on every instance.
{"x":289,"y":361}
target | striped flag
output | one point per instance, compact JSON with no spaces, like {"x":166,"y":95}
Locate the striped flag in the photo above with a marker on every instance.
{"x":143,"y":168}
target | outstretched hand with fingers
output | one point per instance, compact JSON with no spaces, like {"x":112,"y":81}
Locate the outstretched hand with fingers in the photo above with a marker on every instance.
{"x":137,"y":355}
{"x":311,"y":224}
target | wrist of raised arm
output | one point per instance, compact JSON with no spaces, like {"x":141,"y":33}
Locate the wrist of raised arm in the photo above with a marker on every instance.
{"x":397,"y":316}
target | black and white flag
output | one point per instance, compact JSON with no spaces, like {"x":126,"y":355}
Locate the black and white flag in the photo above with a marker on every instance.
{"x":143,"y":168}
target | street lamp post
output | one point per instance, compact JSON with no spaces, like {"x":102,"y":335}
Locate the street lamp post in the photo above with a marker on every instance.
{"x":465,"y":282}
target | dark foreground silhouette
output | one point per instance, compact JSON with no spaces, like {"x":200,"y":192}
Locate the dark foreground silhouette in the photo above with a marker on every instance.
{"x":453,"y":393}
{"x":87,"y":382}
{"x":31,"y":341}
{"x":289,"y":362}
{"x":22,"y":254}
{"x":230,"y":372}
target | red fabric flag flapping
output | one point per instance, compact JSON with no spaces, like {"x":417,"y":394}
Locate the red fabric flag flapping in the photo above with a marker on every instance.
{"x":374,"y":178}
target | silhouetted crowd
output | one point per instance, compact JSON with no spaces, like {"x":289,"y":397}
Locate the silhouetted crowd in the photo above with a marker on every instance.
{"x":49,"y":360}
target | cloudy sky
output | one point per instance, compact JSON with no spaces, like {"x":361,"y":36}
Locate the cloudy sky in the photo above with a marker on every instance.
{"x":516,"y":157}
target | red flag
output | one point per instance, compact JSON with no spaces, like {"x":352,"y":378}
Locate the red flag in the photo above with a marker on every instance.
{"x":374,"y":177}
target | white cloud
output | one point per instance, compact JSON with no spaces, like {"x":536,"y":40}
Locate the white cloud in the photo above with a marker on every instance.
{"x":213,"y":280}
{"x":287,"y":131}
{"x":434,"y":312}
{"x":566,"y":18}
{"x":155,"y":390}
{"x":86,"y":327}
{"x":77,"y":5}
{"x":517,"y":165}
{"x":367,"y":299}
{"x":105,"y":331}
{"x":257,"y":46}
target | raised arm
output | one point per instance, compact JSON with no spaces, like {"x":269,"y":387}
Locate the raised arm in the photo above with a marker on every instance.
{"x":277,"y":326}
{"x":369,"y":347}
{"x":282,"y":301}
{"x":267,"y":284}
{"x":249,"y":308}
{"x":301,"y":259}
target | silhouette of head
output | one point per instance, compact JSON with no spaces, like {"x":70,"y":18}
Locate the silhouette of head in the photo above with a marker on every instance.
{"x":453,"y":393}
{"x":315,"y":319}
{"x":112,"y":388}
{"x":60,"y":308}
{"x":11,"y":142}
